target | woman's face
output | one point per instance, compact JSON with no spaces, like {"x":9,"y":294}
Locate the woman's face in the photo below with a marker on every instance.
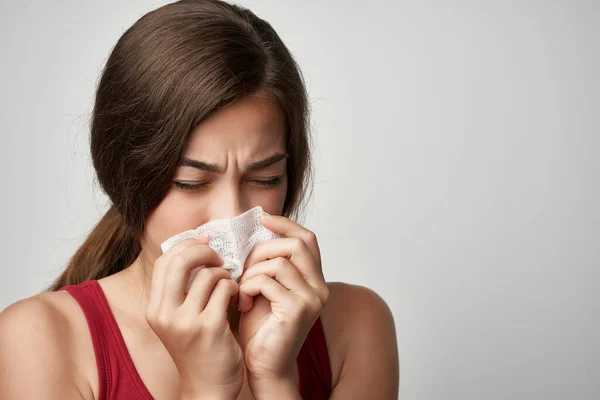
{"x":225,"y":171}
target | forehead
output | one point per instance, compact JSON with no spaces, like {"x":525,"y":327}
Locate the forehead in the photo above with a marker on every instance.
{"x":253,"y":125}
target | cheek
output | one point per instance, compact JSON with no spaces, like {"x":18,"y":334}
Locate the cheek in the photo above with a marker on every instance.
{"x":273,"y":202}
{"x":282,"y":196}
{"x":172,"y":216}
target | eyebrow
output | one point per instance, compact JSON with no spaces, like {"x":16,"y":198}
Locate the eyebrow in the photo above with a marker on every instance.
{"x":204,"y":166}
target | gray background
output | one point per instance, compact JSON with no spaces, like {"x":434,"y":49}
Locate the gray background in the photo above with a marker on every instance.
{"x":457,"y":166}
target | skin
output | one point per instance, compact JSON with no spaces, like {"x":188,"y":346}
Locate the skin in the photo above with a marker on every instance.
{"x":45,"y":346}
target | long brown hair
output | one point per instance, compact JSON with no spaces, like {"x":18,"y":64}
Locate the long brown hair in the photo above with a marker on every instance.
{"x":167,"y":73}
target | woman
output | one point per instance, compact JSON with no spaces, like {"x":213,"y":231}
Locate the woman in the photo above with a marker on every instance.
{"x":201,"y":113}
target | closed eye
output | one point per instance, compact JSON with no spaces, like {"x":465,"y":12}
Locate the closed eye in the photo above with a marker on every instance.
{"x":197,"y":186}
{"x":190,"y":187}
{"x":268,"y":183}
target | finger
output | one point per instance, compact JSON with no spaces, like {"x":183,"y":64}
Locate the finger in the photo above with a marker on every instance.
{"x":288,"y":228}
{"x":177,"y":273}
{"x":265,"y":285}
{"x":160,"y":267}
{"x":282,"y":271}
{"x":292,"y":248}
{"x":222,"y":296}
{"x":202,"y":285}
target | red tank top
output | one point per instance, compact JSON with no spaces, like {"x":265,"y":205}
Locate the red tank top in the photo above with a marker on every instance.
{"x":119,"y":380}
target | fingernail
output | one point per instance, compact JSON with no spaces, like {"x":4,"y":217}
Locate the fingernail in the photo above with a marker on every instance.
{"x":202,"y":238}
{"x":266,"y":216}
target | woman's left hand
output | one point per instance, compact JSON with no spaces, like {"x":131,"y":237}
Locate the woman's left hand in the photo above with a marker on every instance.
{"x":282,"y":293}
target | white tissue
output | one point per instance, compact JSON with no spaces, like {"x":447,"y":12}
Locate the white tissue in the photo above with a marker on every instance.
{"x":233,"y":239}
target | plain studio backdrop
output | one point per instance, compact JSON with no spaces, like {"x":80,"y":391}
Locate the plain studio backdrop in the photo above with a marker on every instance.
{"x":457,"y":172}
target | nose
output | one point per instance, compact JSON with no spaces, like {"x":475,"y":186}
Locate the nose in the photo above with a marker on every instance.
{"x":228,"y":203}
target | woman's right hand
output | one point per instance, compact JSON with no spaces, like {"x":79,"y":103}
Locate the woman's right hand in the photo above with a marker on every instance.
{"x":193,"y":327}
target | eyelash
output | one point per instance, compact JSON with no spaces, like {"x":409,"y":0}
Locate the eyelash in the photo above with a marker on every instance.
{"x":193,"y":187}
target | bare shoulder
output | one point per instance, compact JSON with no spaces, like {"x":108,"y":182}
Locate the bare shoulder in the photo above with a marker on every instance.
{"x":41,"y":315}
{"x":360,"y":331}
{"x":37,"y":348}
{"x":355,"y":297}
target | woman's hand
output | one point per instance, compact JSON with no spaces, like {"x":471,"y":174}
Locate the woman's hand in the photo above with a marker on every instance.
{"x":194,"y":327}
{"x":282,"y":293}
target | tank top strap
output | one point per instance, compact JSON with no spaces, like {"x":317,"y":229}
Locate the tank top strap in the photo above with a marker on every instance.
{"x":314,"y":368}
{"x":117,"y":376}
